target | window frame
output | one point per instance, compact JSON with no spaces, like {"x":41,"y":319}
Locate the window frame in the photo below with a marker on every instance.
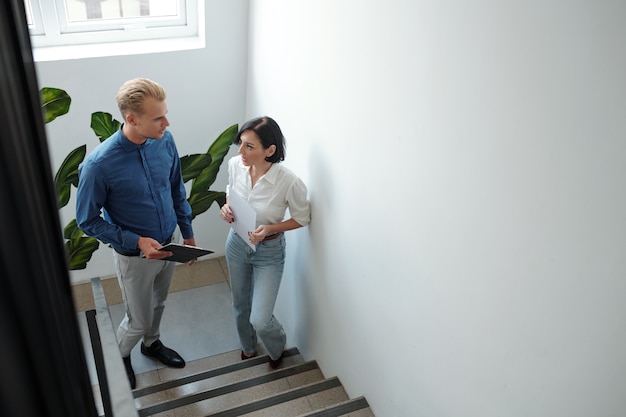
{"x":50,"y":28}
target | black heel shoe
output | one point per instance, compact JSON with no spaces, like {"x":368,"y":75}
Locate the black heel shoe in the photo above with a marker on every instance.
{"x":275,"y":363}
{"x":244,"y":356}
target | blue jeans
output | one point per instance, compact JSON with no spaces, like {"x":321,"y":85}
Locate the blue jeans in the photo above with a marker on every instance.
{"x":254,"y":280}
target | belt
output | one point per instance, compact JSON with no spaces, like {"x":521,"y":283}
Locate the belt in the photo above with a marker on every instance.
{"x":138,"y":252}
{"x":135,"y":253}
{"x":273,"y":236}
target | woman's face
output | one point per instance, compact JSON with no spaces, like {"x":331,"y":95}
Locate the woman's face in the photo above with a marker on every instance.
{"x":251,"y":149}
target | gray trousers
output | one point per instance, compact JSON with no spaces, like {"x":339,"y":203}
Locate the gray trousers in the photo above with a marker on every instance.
{"x":145,"y":285}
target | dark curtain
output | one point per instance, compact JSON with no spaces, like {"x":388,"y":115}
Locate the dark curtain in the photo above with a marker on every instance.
{"x":43,"y":368}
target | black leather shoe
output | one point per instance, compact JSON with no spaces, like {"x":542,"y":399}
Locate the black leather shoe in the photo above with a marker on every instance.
{"x":166,"y":355}
{"x":244,"y":356}
{"x":276,"y":363}
{"x":130,"y":372}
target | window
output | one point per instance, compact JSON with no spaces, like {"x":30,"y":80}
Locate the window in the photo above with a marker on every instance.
{"x":80,"y":22}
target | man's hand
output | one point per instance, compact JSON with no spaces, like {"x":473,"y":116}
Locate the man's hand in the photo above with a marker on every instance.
{"x":150,"y":248}
{"x":191,"y":242}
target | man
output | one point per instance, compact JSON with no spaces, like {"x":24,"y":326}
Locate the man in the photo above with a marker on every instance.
{"x":134,"y":180}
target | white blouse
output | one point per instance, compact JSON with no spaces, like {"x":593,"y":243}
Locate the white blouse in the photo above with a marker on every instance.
{"x":276,"y":191}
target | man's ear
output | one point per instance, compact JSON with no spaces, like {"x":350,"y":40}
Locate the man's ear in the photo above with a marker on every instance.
{"x":131,"y":119}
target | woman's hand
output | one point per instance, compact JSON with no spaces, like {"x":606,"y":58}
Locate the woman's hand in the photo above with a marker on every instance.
{"x":226,"y":214}
{"x":259,"y":234}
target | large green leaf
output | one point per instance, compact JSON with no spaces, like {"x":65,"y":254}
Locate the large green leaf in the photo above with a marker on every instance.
{"x":78,"y":248}
{"x":104,"y":125}
{"x":193,"y":165}
{"x":67,"y":175}
{"x":54,"y":103}
{"x":201,"y":202}
{"x":71,"y":230}
{"x":218,"y":150}
{"x":79,"y":251}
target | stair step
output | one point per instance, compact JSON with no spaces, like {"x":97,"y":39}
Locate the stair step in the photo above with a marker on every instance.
{"x":270,"y":406}
{"x":194,"y":398}
{"x":356,"y":407}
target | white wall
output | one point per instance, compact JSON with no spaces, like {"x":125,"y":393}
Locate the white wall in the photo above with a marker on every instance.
{"x":465,"y":161}
{"x":206,"y":94}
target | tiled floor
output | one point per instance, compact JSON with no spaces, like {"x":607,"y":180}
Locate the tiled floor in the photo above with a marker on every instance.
{"x":197,"y":323}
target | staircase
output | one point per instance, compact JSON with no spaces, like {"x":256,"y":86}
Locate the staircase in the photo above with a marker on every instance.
{"x":222,"y":385}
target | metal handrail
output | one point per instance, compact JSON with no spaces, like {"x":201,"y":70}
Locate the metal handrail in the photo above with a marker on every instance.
{"x":122,"y":401}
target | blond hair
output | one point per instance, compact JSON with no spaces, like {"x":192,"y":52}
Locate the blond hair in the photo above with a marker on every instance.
{"x":132,"y":93}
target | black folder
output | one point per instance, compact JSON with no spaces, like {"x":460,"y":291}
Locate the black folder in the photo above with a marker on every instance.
{"x":184,"y":253}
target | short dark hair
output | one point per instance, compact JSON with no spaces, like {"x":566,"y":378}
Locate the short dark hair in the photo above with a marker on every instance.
{"x":269,"y":133}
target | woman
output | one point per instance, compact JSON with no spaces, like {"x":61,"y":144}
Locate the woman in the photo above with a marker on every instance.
{"x":255,"y":274}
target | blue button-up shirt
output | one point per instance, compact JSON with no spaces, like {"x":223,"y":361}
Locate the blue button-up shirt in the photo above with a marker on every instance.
{"x":138,"y":189}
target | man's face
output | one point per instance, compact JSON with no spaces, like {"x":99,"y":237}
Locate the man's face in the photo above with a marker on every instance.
{"x":152,"y":123}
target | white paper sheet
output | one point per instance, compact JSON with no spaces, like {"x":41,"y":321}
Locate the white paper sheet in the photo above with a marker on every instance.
{"x":245,"y":216}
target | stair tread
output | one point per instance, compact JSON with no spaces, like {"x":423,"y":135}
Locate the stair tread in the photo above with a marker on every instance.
{"x":289,"y":402}
{"x":353,"y":407}
{"x":238,"y":397}
{"x":252,"y":387}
